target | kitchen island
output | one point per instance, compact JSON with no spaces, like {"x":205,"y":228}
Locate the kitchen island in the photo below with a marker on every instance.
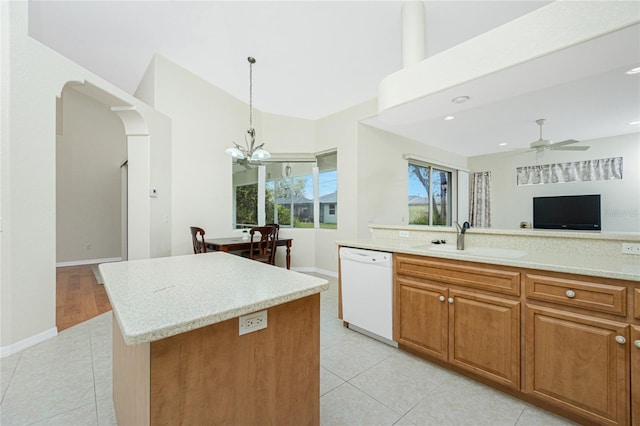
{"x":178,"y":357}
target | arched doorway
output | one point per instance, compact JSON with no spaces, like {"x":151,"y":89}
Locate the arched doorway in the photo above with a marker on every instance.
{"x":94,"y":133}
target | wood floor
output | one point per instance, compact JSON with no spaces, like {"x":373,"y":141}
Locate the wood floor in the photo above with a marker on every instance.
{"x":79,"y":297}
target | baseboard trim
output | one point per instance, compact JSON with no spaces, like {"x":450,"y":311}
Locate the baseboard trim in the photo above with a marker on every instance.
{"x":316,"y":270}
{"x":88,"y":262}
{"x":326,"y":272}
{"x":23,"y":344}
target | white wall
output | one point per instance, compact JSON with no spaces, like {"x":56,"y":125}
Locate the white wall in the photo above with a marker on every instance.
{"x":511,"y":204}
{"x":205,"y":121}
{"x":32,"y":77}
{"x":340,"y":130}
{"x":382,"y":176}
{"x":89,"y":153}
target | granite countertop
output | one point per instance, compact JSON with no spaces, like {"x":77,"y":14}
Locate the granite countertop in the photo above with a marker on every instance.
{"x":627,"y":268}
{"x":161,"y":297}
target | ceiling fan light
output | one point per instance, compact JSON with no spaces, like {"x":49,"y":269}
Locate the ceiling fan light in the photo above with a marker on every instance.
{"x":235,"y":153}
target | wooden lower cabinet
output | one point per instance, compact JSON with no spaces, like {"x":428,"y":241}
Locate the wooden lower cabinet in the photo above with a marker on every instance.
{"x":575,"y":362}
{"x":484,"y":336}
{"x":635,"y":374}
{"x":581,"y":351}
{"x":475,"y":332}
{"x":422,"y":315}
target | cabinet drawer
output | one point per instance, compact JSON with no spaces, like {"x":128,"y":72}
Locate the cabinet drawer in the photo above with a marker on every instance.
{"x":577,"y":293}
{"x":636,"y":302}
{"x":483,"y":277}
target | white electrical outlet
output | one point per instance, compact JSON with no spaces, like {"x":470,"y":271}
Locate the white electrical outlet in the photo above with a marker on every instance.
{"x":630,"y":248}
{"x":404,"y":234}
{"x":253,"y":322}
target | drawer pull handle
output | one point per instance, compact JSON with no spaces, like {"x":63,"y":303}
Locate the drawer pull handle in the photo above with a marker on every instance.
{"x":570,"y":294}
{"x":450,"y":300}
{"x":621,"y":340}
{"x":637,"y":343}
{"x":441,"y":298}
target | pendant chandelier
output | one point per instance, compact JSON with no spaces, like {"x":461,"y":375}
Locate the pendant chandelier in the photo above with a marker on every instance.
{"x":249,"y":152}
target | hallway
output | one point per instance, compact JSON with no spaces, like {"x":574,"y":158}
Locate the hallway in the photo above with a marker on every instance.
{"x":79,"y":297}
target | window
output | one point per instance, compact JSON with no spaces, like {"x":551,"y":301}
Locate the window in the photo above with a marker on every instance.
{"x":245,"y":186}
{"x":328,"y":190}
{"x":430,"y":195}
{"x":295,"y":194}
{"x":289,"y":194}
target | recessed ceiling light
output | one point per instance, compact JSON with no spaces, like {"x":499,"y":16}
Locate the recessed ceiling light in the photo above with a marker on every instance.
{"x":633,"y":123}
{"x":503,"y":144}
{"x":632,"y":71}
{"x":449,"y":118}
{"x":460,"y":99}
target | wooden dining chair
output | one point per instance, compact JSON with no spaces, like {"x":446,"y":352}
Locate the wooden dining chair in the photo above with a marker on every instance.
{"x":263,"y":248}
{"x":197,"y":238}
{"x":275,"y":247}
{"x":275,"y":225}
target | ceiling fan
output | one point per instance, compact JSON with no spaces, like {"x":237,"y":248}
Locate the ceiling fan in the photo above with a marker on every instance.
{"x":544,"y":144}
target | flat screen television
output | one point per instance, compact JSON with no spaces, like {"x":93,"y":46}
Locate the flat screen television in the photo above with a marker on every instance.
{"x":567,"y":212}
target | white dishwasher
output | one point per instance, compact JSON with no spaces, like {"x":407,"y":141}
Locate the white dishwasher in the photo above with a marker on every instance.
{"x":366,"y":279}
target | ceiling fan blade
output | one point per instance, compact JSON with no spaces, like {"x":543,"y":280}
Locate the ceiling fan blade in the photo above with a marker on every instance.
{"x":565,"y":142}
{"x":514,"y":152}
{"x":569,"y":148}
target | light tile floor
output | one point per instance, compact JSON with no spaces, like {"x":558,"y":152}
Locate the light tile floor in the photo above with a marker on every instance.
{"x":67,"y":381}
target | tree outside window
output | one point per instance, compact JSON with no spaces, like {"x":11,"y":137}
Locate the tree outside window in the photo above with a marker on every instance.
{"x":429,"y":195}
{"x":245,"y":190}
{"x":289,"y":195}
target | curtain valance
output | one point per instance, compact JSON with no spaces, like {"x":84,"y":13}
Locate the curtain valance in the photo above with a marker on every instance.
{"x":577,"y":171}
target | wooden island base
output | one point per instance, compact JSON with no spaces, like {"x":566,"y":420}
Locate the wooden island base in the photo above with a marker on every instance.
{"x":212,"y":375}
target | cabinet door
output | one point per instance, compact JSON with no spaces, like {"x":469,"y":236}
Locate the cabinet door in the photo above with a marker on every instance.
{"x":484,"y":336}
{"x":635,"y":374}
{"x":421,"y":316}
{"x":575,"y":362}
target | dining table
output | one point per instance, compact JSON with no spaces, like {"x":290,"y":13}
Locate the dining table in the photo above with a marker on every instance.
{"x":230,"y":244}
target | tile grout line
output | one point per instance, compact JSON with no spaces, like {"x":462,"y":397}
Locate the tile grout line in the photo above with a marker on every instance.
{"x":93,"y":371}
{"x":11,"y":378}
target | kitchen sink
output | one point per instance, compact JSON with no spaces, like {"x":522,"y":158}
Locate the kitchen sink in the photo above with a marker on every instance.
{"x":498,"y":253}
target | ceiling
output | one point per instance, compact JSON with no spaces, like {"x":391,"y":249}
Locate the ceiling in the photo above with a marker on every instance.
{"x":315,"y":58}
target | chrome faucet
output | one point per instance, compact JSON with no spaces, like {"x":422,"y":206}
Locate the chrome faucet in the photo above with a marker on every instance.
{"x":460,"y":238}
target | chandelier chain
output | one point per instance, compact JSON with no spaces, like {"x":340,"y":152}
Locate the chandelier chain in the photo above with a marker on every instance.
{"x":251,"y":62}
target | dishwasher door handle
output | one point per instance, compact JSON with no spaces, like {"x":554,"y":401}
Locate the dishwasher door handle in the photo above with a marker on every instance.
{"x":363,"y":256}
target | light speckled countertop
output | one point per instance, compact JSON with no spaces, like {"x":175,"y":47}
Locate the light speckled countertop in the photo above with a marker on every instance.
{"x":627,"y":268}
{"x":157,"y":298}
